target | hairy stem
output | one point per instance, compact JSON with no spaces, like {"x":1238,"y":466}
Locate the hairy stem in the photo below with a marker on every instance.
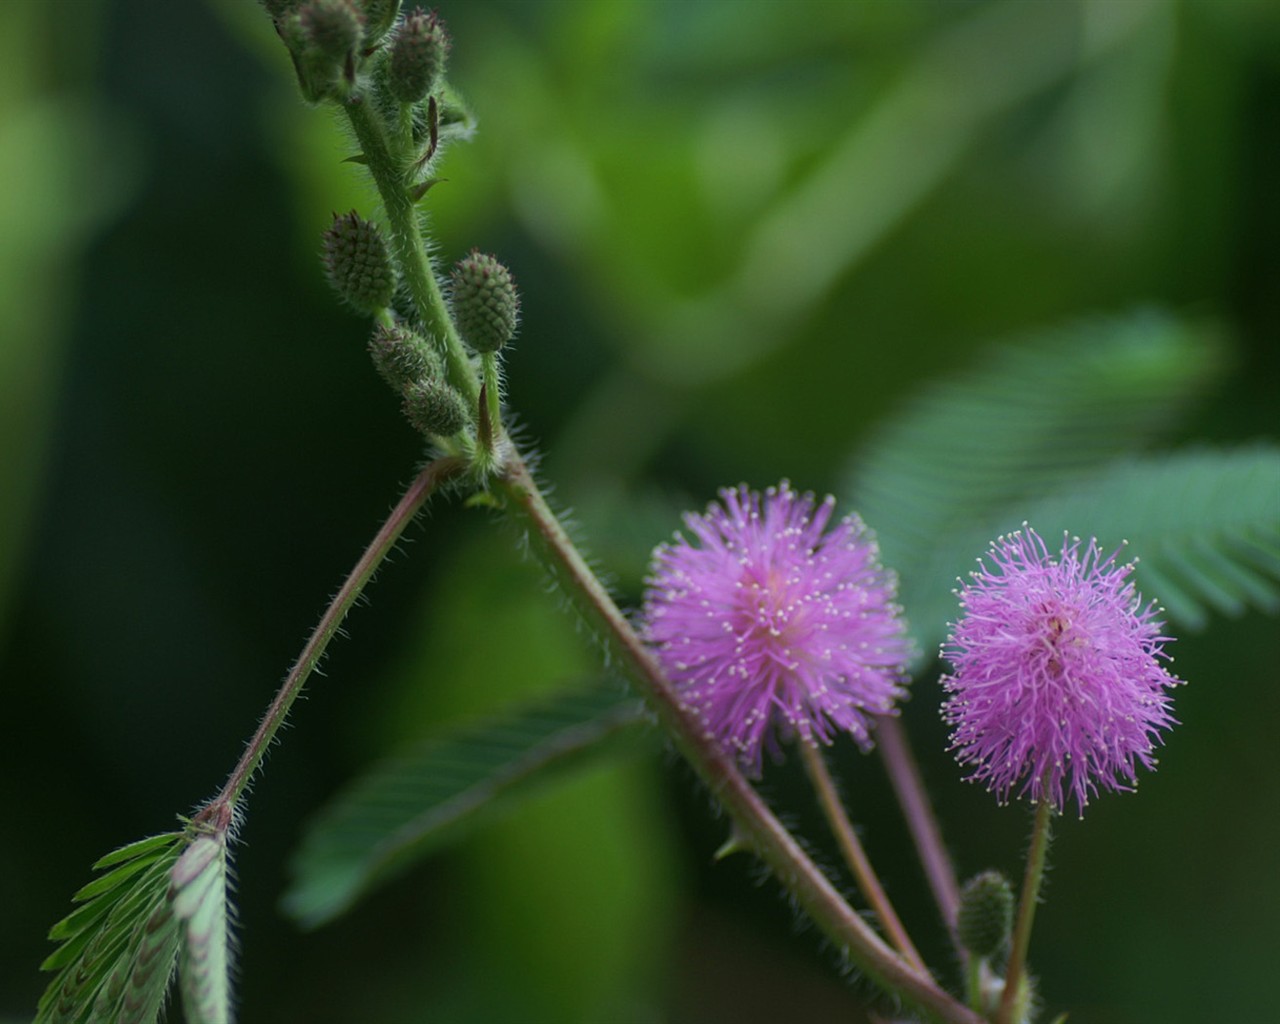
{"x":220,"y":810}
{"x":1026,"y":911}
{"x":855,"y":856}
{"x":812,"y":890}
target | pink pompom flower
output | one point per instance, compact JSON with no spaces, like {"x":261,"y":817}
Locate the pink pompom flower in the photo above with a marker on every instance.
{"x":1057,"y":687}
{"x":772,"y":626}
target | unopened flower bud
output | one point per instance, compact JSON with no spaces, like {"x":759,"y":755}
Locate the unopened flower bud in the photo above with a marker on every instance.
{"x":324,"y":38}
{"x":404,"y":357}
{"x":333,"y":28}
{"x":485,"y":304}
{"x":418,"y":55}
{"x":985,"y":918}
{"x":435,"y":408}
{"x":356,"y":262}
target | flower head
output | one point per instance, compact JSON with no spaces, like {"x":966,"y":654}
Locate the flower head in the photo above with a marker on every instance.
{"x":1058,"y":688}
{"x":773,"y":625}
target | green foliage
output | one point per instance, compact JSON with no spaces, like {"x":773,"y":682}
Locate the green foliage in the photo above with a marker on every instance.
{"x":1051,"y":433}
{"x":412,"y":804}
{"x":119,"y":949}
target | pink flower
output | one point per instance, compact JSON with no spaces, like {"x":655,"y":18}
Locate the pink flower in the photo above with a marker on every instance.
{"x":774,"y":625}
{"x":1058,"y":688}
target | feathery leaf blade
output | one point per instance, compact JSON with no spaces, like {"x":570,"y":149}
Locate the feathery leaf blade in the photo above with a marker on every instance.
{"x":411,"y":805}
{"x":118,"y":950}
{"x":1029,"y":419}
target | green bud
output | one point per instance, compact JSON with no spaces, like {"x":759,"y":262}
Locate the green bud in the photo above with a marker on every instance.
{"x":404,"y":357}
{"x":985,"y":918}
{"x":333,"y":29}
{"x":324,"y":38}
{"x":485,"y":305}
{"x":356,"y":262}
{"x":435,"y":408}
{"x":418,"y":53}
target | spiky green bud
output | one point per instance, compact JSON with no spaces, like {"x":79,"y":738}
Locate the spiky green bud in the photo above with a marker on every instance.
{"x":435,"y":408}
{"x":356,"y":262}
{"x":403,"y":357}
{"x":418,"y":53}
{"x":486,"y":307}
{"x":985,"y":918}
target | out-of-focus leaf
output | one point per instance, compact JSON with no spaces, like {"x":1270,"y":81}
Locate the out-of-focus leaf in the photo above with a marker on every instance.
{"x":407,"y":807}
{"x":974,"y":449}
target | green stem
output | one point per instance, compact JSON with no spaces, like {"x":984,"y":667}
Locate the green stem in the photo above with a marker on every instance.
{"x":493,"y":385}
{"x":220,"y":810}
{"x":973,"y":982}
{"x":812,"y":890}
{"x":408,"y":244}
{"x":855,"y":856}
{"x":1026,"y":911}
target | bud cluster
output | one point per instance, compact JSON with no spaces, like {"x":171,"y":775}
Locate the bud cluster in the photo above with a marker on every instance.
{"x":390,"y":67}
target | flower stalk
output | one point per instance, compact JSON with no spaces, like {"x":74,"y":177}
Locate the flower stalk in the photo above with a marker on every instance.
{"x":855,"y":856}
{"x":1031,"y":883}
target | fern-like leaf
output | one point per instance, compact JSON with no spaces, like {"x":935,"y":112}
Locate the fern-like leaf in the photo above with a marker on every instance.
{"x":408,"y":806}
{"x":1204,"y":525}
{"x":1028,"y":420}
{"x":118,"y":950}
{"x":200,"y":903}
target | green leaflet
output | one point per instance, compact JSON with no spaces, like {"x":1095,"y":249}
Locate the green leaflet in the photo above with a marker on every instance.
{"x":200,"y":904}
{"x":1203,"y":524}
{"x":410,"y":805}
{"x":118,"y":950}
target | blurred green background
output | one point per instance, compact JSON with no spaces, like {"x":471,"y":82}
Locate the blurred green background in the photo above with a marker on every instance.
{"x":744,"y":231}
